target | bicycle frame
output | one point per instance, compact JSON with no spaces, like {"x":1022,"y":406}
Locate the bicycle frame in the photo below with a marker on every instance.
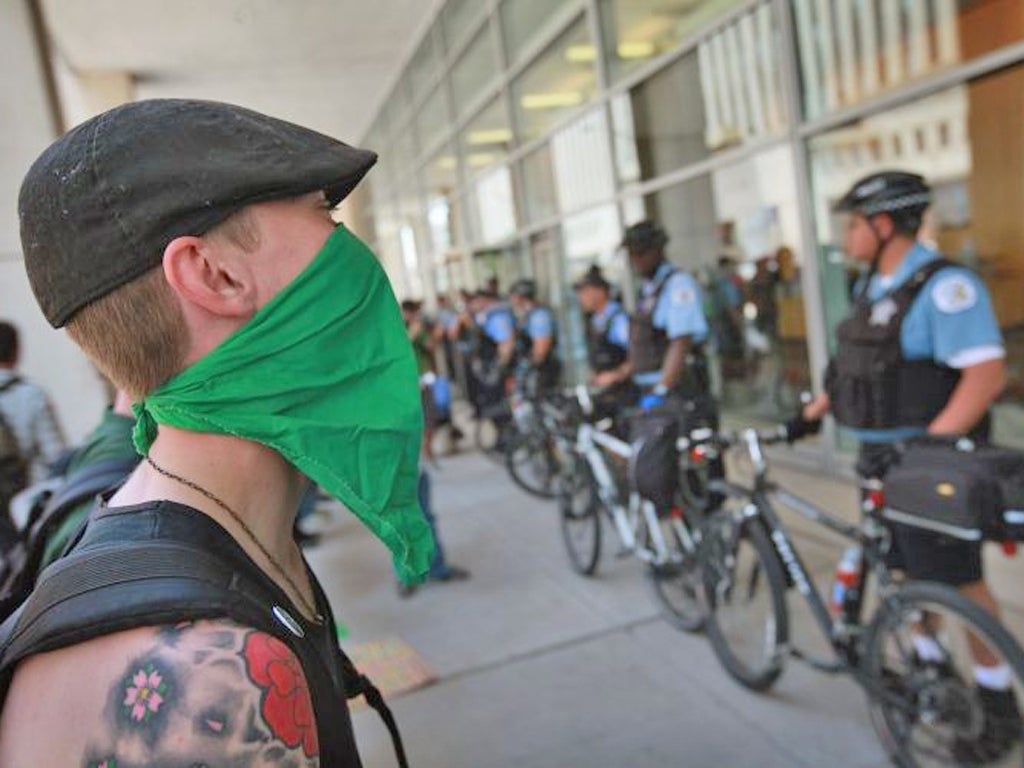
{"x":591,"y":444}
{"x":871,"y":536}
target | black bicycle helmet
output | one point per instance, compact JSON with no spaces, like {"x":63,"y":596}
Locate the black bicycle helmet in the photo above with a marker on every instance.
{"x":902,"y":195}
{"x":643,"y":237}
{"x":524,"y":287}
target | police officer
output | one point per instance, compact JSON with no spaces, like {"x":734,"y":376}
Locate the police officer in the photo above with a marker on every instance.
{"x":536,"y":336}
{"x":494,"y":345}
{"x":668,"y":329}
{"x":607,"y":343}
{"x":921,"y":353}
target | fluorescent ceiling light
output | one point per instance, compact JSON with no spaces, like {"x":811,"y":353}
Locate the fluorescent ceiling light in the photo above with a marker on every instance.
{"x":480,"y":159}
{"x":580,"y":54}
{"x":490,"y":136}
{"x":640,"y":49}
{"x":551,"y":100}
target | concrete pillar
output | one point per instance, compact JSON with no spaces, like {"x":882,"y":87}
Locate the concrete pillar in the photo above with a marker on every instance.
{"x":48,"y":356}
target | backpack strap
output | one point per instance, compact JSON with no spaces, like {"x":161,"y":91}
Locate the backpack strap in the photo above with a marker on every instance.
{"x":906,"y":293}
{"x":122,"y":586}
{"x":10,"y":383}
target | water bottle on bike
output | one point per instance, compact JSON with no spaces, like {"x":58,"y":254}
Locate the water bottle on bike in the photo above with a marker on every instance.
{"x":846,"y":585}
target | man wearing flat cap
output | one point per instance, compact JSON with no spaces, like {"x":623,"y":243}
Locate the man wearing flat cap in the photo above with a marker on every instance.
{"x":188,"y":247}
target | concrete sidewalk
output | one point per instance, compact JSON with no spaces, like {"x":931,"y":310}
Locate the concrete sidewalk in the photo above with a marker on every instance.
{"x":540,"y":668}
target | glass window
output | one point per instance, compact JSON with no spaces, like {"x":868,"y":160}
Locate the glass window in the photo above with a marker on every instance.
{"x":539,"y":185}
{"x":572,"y":171}
{"x":851,"y":51}
{"x":403,"y":153}
{"x":967,"y":142}
{"x":524,"y":20}
{"x":503,"y":265}
{"x":441,"y":175}
{"x":560,"y":80}
{"x":495,"y":205}
{"x":729,"y":86}
{"x":488,"y":136}
{"x":424,"y":66}
{"x":474,"y":71}
{"x":458,"y":18}
{"x":636,"y":31}
{"x":737,"y":230}
{"x":434,"y":119}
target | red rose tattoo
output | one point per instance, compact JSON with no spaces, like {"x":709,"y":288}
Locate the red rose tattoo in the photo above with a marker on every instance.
{"x":285,"y":703}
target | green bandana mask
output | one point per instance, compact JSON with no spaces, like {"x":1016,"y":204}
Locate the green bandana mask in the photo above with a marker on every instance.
{"x":325,"y":375}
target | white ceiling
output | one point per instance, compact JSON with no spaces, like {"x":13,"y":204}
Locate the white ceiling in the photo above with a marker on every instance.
{"x":326,"y":64}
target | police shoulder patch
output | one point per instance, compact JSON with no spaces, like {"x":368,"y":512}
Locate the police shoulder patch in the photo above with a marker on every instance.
{"x":954,"y":293}
{"x":682,"y":293}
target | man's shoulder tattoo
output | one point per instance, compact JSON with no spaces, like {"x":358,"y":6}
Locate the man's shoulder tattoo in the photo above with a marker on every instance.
{"x":209,"y":694}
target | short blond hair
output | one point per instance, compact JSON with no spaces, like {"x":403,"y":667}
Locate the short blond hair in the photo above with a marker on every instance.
{"x":136,"y":335}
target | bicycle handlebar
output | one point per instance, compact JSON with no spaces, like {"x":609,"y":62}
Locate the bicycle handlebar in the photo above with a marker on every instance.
{"x":726,"y":440}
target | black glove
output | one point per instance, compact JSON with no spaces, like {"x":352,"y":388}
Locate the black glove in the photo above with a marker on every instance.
{"x":798,"y":428}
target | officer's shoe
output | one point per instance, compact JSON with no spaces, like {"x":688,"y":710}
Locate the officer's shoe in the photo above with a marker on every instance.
{"x":1001,"y":731}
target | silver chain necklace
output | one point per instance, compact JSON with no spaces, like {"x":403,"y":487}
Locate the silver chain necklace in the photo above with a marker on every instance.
{"x":309,"y":609}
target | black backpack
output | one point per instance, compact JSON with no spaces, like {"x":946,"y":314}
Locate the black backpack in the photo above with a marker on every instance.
{"x":91,"y":592}
{"x":13,"y":466}
{"x":20,"y":563}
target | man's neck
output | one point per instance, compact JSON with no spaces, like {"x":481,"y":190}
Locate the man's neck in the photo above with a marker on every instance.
{"x":253,"y":481}
{"x":893,"y":255}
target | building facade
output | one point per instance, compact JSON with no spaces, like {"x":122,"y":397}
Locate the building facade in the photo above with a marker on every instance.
{"x":523,"y":136}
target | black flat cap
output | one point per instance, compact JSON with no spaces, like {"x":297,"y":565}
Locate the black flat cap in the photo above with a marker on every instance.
{"x":100,"y":205}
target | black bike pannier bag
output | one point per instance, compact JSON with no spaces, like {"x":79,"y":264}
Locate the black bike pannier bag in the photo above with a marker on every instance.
{"x":972,"y":492}
{"x":654,"y":464}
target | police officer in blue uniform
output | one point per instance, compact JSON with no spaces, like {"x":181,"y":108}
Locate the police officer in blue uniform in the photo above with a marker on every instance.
{"x":921,"y":353}
{"x":607,"y":344}
{"x":667,"y":330}
{"x":536,"y":335}
{"x":494,"y":341}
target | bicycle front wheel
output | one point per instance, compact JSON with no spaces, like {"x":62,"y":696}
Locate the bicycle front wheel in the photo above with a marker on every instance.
{"x":931,"y":702}
{"x":676,"y":583}
{"x":745,"y":589}
{"x":580,"y":508}
{"x":530,"y":461}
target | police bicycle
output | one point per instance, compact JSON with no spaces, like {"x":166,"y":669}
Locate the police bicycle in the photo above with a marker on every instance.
{"x":593,"y":485}
{"x":912,"y":654}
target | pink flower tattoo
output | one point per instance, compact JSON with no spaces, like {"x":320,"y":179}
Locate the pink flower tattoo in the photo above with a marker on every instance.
{"x":144,"y":694}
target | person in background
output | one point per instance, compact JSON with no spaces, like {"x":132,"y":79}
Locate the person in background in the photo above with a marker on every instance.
{"x":668,"y":329}
{"x":27,"y":410}
{"x":494,"y":346}
{"x":110,"y":440}
{"x":607,"y":343}
{"x":536,"y":334}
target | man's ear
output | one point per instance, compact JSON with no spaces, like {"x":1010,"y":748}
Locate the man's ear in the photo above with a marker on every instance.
{"x":884,"y":226}
{"x":206,"y":275}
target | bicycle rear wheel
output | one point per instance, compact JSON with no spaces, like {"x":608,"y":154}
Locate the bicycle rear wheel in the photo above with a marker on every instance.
{"x":745,"y":589}
{"x":676,"y":584}
{"x":921,"y":656}
{"x":580,"y":513}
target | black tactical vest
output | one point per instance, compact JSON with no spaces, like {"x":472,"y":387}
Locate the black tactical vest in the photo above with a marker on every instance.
{"x":161,"y":563}
{"x":647,"y":344}
{"x":870,"y":384}
{"x":551,"y":367}
{"x":602,"y":354}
